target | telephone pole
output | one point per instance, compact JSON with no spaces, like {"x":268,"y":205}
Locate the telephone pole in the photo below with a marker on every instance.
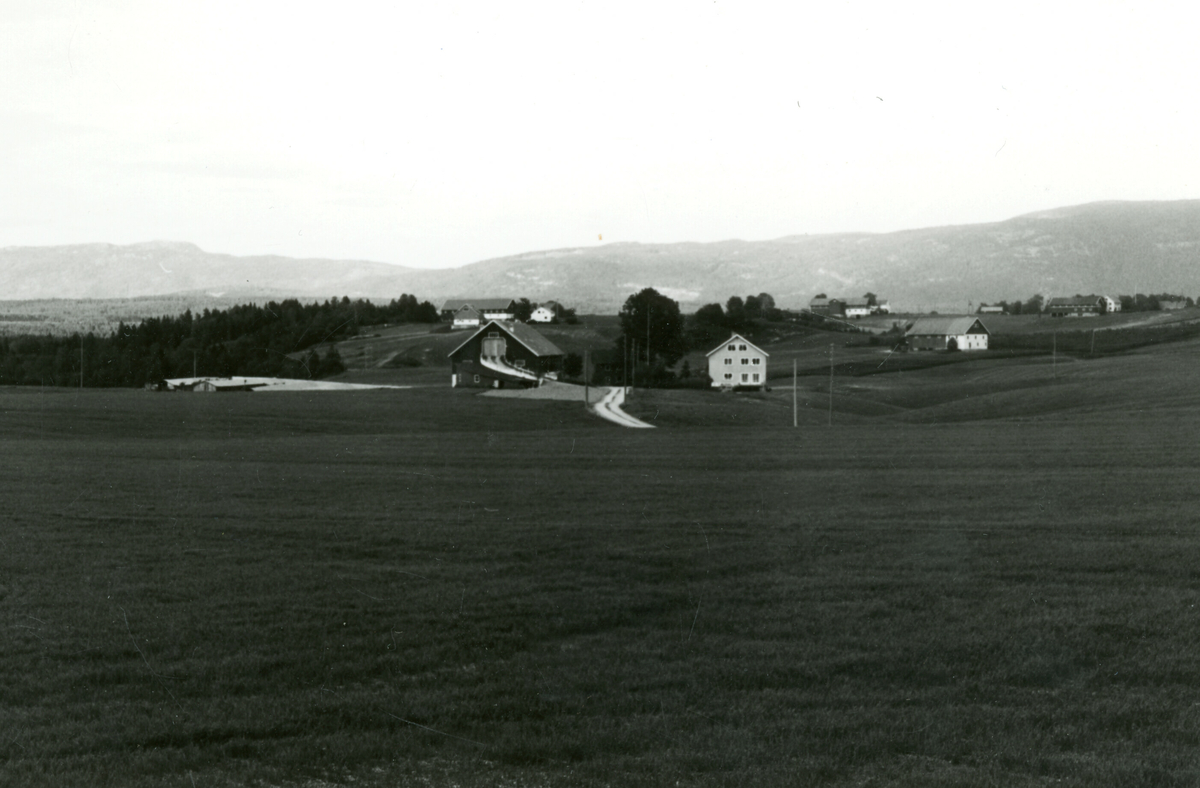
{"x":795,"y":423}
{"x":830,"y":384}
{"x":625,"y":366}
{"x":650,"y":377}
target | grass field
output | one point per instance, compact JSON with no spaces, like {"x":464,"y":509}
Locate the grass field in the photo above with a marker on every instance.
{"x":985,"y":574}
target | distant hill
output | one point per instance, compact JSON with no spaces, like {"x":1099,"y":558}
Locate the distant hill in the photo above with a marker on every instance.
{"x":1109,"y":247}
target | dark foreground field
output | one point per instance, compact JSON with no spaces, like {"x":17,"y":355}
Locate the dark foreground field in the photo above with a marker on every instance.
{"x":420,"y":588}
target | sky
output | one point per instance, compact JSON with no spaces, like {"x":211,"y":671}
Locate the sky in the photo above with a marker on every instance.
{"x":440,"y":134}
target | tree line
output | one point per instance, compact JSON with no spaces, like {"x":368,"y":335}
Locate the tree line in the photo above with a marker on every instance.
{"x":249,"y":340}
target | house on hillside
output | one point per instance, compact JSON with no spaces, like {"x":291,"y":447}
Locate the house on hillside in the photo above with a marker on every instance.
{"x":857,"y":307}
{"x":488,"y":309}
{"x":947,"y":333}
{"x":832,"y":307}
{"x":542,"y":314}
{"x":465,"y":317}
{"x":505,"y":354}
{"x":1076,"y":306}
{"x":1111,"y":304}
{"x":737,"y":363}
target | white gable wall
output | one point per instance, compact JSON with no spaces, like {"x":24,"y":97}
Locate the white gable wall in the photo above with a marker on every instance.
{"x":737,"y":363}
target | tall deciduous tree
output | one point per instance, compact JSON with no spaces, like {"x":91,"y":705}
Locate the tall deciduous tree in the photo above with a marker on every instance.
{"x":653,"y":319}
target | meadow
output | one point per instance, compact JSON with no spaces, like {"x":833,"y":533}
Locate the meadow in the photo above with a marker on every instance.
{"x":985,"y":574}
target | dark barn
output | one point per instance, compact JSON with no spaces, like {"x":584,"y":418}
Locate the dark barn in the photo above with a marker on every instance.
{"x":504,"y":354}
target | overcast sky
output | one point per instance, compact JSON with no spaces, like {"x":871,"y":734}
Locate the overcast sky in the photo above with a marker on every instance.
{"x":438,"y":134}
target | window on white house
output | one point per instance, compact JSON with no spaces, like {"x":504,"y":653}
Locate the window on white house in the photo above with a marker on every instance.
{"x":728,"y":361}
{"x":729,"y":376}
{"x":731,"y":347}
{"x":741,"y":347}
{"x":745,"y":361}
{"x":745,"y":377}
{"x":756,"y":361}
{"x":755,"y":377}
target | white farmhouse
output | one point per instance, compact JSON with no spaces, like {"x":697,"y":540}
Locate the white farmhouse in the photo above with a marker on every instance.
{"x":737,"y":363}
{"x":466,"y":317}
{"x":857,"y":307}
{"x":541,"y":315}
{"x":947,"y":333}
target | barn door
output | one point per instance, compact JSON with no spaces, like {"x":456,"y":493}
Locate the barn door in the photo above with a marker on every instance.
{"x":494,"y":347}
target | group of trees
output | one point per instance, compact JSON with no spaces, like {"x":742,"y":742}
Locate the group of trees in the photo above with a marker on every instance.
{"x":250,"y":340}
{"x":1150,"y":303}
{"x":711,"y":323}
{"x":655,"y":335}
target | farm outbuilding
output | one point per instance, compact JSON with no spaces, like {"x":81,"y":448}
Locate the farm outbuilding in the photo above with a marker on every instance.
{"x":947,"y":333}
{"x":737,"y":363}
{"x":504,"y":354}
{"x":1076,"y":306}
{"x":461,"y":311}
{"x":827,"y":306}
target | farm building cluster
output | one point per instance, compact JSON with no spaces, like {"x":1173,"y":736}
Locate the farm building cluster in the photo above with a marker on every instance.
{"x":467,"y":313}
{"x":1082,"y":306}
{"x":849,"y":307}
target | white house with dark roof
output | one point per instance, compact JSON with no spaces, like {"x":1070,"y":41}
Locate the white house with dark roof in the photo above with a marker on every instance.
{"x":737,"y":363}
{"x":465,"y":317}
{"x":947,"y":333}
{"x":857,"y":307}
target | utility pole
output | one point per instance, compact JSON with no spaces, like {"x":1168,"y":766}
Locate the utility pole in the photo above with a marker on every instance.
{"x":650,"y":377}
{"x":633,"y":366}
{"x":795,"y":423}
{"x":625,"y":366}
{"x":830,"y":384}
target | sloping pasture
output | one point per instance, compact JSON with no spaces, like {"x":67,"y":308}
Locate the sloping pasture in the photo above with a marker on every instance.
{"x":428,"y":587}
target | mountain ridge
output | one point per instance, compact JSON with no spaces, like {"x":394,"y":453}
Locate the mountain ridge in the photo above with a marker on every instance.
{"x":1108,"y":247}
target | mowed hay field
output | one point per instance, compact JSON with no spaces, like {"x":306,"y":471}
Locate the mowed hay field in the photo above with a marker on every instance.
{"x":426,"y":587}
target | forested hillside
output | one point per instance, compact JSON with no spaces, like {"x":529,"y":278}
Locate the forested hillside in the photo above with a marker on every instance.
{"x":253,"y":340}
